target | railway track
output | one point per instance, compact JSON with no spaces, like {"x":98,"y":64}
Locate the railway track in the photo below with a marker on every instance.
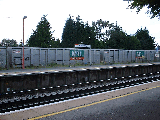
{"x":85,"y":89}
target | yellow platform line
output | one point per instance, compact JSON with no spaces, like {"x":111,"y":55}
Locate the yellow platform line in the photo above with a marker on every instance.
{"x":51,"y":114}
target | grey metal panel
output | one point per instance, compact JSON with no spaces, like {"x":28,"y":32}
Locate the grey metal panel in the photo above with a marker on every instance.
{"x":86,"y":56}
{"x":106,"y":56}
{"x":116,"y":52}
{"x":120,"y":56}
{"x":97,"y":56}
{"x":150,"y":55}
{"x":16,"y":52}
{"x":66,"y":62}
{"x":51,"y":55}
{"x":111,"y":56}
{"x":44,"y":57}
{"x":17,"y":61}
{"x":66,"y":55}
{"x":31,"y":55}
{"x":133,"y":56}
{"x":27,"y":56}
{"x":9,"y":50}
{"x":125,"y":60}
{"x":92,"y":56}
{"x":157,"y":58}
{"x":2,"y":57}
{"x":59,"y":62}
{"x":145,"y":56}
{"x":101,"y":55}
{"x":153,"y":55}
{"x":17,"y":57}
{"x":129,"y":55}
{"x":71,"y":62}
{"x":35,"y":59}
{"x":79,"y":61}
{"x":59,"y":54}
{"x":125,"y":57}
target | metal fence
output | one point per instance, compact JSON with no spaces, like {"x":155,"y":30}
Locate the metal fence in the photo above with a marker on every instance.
{"x":3,"y":57}
{"x":12,"y":56}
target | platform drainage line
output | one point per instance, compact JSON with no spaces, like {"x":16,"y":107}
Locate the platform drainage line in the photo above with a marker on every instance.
{"x":51,"y":114}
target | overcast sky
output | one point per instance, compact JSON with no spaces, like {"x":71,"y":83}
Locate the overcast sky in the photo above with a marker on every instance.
{"x":57,"y":11}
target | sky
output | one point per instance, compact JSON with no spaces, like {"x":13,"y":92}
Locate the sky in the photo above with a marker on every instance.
{"x":57,"y":11}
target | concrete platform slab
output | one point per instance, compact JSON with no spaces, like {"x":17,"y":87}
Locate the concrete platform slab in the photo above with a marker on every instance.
{"x":96,"y":67}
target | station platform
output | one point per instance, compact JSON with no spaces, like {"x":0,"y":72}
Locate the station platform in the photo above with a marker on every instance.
{"x":92,"y":67}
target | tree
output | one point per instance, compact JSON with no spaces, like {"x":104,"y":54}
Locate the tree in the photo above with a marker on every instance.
{"x":79,"y":30}
{"x":102,"y":29}
{"x":56,"y":43}
{"x":147,"y":42}
{"x":68,"y":35}
{"x":42,"y":36}
{"x":132,"y":43}
{"x":76,"y":32}
{"x":89,"y":36}
{"x":9,"y":43}
{"x":117,"y":39}
{"x":152,"y":5}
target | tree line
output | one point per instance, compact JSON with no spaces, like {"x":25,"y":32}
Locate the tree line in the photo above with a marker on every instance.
{"x":100,"y":35}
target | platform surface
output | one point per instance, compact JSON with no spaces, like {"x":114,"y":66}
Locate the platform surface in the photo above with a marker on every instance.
{"x":144,"y":105}
{"x":52,"y":69}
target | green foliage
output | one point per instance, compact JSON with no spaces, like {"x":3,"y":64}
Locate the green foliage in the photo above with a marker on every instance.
{"x":42,"y":36}
{"x":9,"y":43}
{"x":120,"y":40}
{"x":152,"y":5}
{"x":132,"y":43}
{"x":101,"y":35}
{"x":75,"y":32}
{"x":56,"y":43}
{"x":147,"y":42}
{"x":117,"y":38}
{"x":102,"y":29}
{"x":68,"y":35}
{"x":89,"y":36}
{"x":79,"y":30}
